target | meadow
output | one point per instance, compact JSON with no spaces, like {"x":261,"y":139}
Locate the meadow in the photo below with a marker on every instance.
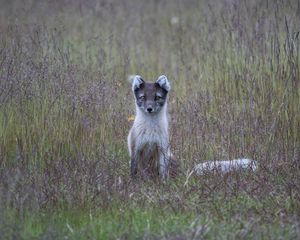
{"x":66,"y":109}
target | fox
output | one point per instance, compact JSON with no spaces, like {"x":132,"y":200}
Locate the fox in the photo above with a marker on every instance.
{"x":148,"y":139}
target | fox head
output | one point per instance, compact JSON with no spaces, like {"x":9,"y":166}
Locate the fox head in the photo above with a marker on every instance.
{"x":150,"y":97}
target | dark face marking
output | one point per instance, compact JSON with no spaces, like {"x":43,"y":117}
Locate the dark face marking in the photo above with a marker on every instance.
{"x":150,"y":97}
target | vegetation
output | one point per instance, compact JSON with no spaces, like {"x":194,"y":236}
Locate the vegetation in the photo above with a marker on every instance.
{"x":65,"y":106}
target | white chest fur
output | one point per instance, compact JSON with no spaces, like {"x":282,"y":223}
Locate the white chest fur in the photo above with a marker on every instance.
{"x":151,"y":130}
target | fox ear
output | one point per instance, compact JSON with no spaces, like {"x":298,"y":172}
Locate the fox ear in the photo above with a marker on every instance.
{"x":137,"y":82}
{"x":163,"y":82}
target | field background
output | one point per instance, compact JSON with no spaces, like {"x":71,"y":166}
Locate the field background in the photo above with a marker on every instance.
{"x":65,"y":106}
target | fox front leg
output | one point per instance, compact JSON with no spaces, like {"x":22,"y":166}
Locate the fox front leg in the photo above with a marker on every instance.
{"x":133,"y":166}
{"x":163,"y":166}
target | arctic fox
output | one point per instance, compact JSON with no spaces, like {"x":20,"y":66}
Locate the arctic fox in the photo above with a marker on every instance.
{"x":148,"y":139}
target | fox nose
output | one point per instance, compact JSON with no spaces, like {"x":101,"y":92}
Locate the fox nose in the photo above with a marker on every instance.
{"x":149,"y":109}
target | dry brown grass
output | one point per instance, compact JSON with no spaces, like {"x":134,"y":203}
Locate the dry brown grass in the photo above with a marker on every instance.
{"x":65,"y":103}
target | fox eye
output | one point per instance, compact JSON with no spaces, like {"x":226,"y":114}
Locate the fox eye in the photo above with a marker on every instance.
{"x":158,"y":97}
{"x":141,"y":98}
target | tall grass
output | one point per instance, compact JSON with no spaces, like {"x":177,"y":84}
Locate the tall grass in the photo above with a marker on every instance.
{"x":65,"y":104}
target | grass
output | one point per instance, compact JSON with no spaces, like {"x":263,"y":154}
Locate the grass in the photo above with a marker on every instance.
{"x":126,"y":222}
{"x":65,"y":104}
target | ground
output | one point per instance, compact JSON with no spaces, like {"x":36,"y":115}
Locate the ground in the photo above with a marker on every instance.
{"x":66,"y":108}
